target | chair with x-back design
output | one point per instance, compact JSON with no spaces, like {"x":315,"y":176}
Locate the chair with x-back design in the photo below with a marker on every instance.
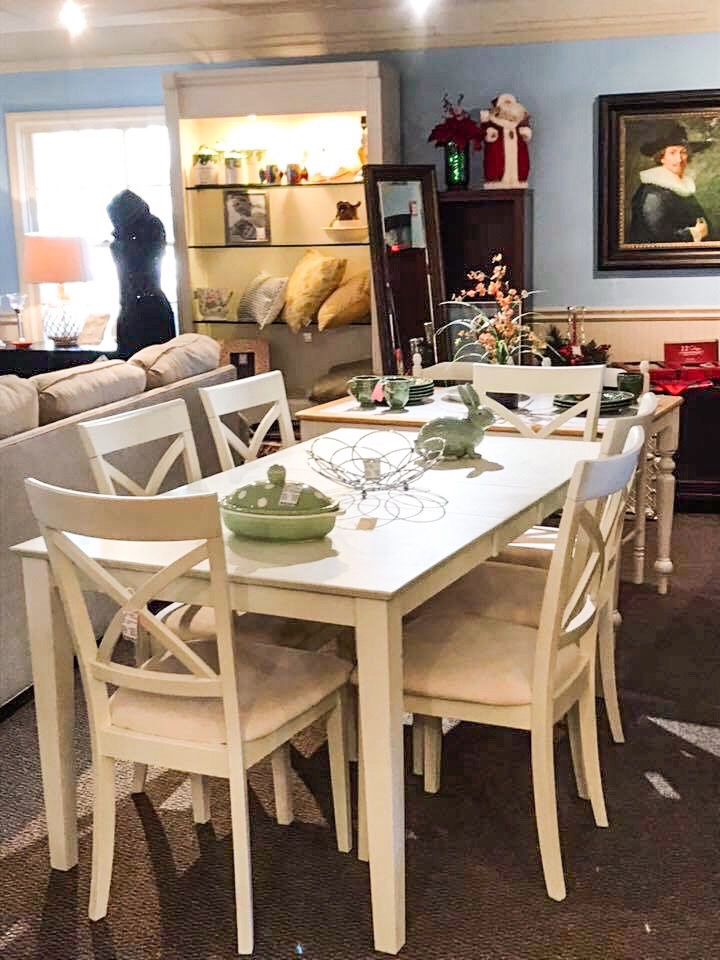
{"x":243,"y":397}
{"x":127,"y":430}
{"x":477,"y":666}
{"x":123,"y":432}
{"x":210,"y":709}
{"x":583,"y":382}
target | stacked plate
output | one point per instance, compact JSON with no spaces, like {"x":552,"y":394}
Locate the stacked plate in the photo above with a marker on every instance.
{"x":613,"y":401}
{"x":421,"y":391}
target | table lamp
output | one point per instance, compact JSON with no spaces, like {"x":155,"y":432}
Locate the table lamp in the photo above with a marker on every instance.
{"x":57,"y":260}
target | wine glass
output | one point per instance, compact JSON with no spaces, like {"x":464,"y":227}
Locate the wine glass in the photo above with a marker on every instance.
{"x":16,"y":302}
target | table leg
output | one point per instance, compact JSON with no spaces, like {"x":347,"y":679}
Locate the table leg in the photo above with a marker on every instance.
{"x":53,"y":680}
{"x":378,"y":630}
{"x":667,"y":443}
{"x":640,"y":522}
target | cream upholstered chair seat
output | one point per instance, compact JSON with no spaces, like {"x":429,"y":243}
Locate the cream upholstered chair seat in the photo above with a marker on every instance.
{"x":494,"y":591}
{"x":533,"y":548}
{"x":275,"y":685}
{"x":198,"y":623}
{"x":477,"y":660}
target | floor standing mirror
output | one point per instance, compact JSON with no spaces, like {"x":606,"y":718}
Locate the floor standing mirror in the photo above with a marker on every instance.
{"x":406,"y":258}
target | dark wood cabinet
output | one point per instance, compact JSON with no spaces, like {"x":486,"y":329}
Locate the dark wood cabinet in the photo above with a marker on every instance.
{"x":698,"y":455}
{"x":476,"y":224}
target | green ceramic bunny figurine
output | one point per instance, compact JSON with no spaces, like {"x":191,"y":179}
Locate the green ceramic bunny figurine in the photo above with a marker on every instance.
{"x":461,"y":436}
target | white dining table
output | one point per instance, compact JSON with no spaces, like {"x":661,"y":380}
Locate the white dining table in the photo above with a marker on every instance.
{"x":364,"y":574}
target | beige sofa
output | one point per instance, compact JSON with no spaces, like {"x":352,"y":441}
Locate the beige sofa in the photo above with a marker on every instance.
{"x":54,"y":453}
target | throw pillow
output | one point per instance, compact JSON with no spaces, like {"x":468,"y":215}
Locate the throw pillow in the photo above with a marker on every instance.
{"x":311,"y":282}
{"x":263,"y":300}
{"x":333,"y":384}
{"x":350,"y":302}
{"x":177,"y":359}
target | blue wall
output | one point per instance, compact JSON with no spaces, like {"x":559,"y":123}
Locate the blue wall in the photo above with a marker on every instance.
{"x":558,"y":83}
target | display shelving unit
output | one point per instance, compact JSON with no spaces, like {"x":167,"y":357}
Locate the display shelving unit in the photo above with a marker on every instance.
{"x":306,"y":114}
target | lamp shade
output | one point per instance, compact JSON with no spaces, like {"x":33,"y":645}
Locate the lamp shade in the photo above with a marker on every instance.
{"x":55,"y":259}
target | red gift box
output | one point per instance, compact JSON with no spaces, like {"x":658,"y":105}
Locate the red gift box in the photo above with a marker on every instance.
{"x":691,"y":353}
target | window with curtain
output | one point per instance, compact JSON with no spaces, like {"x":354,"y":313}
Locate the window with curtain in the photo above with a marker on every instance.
{"x":72,"y":169}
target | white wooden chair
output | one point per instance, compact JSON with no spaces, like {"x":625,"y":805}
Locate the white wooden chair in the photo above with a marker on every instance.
{"x":535,"y":547}
{"x":242,"y":396}
{"x":486,"y":670}
{"x":123,"y":432}
{"x":587,"y":381}
{"x":209,"y":709}
{"x":127,"y":430}
{"x":511,"y":585}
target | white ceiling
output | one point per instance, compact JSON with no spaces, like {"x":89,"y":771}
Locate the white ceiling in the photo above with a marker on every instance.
{"x":181,"y":31}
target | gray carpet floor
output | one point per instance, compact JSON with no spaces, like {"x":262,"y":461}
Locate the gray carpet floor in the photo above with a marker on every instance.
{"x":645,"y":889}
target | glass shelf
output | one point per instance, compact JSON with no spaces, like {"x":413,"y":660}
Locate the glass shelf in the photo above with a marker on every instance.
{"x":266,"y":246}
{"x":275,"y":186}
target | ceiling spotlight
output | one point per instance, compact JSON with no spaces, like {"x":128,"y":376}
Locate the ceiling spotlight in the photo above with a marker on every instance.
{"x":420,"y":7}
{"x":72,"y":18}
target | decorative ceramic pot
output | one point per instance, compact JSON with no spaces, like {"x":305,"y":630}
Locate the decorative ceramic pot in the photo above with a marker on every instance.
{"x":275,"y":510}
{"x":213,"y":302}
{"x":361,"y":388}
{"x":461,"y":436}
{"x":457,"y":166}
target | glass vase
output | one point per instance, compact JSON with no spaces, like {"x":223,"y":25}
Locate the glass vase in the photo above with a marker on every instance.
{"x":457,"y":166}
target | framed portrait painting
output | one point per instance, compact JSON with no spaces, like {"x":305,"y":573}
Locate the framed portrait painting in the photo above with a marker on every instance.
{"x":659,"y":180}
{"x":247,"y":218}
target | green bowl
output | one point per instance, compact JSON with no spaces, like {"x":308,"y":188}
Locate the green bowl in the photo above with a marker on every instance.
{"x":281,"y":528}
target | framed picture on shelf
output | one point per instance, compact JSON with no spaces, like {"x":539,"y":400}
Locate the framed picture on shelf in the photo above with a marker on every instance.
{"x":247,"y":217}
{"x":659,"y":180}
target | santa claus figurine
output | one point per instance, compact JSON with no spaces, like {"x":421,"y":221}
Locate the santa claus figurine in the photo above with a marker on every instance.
{"x":506,"y":134}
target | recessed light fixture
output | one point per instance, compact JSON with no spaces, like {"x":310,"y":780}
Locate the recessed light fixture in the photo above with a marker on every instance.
{"x":72,"y":18}
{"x":420,"y":7}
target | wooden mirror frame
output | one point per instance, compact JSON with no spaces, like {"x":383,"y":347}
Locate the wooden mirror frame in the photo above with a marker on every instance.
{"x":390,"y":339}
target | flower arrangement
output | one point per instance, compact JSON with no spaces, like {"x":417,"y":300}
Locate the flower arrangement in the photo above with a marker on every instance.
{"x":456,"y":126}
{"x":562,"y":351}
{"x":496,"y":335}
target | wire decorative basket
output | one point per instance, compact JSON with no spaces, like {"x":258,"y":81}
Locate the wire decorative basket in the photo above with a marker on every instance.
{"x":378,"y":460}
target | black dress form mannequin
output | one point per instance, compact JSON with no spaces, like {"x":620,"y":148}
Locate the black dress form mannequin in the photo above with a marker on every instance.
{"x":145,"y":316}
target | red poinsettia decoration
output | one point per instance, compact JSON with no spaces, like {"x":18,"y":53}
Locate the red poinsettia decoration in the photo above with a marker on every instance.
{"x":457,"y":126}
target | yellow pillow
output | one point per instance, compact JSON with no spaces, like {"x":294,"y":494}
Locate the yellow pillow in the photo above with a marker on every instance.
{"x":350,"y":302}
{"x":311,"y":282}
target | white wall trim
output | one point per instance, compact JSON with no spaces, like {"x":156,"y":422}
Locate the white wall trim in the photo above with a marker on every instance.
{"x":630,"y":314}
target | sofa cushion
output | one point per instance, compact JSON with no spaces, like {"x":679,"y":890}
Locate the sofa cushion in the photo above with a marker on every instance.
{"x":19,"y":409}
{"x":67,"y":392}
{"x":349,"y":303}
{"x":310,"y":284}
{"x":177,"y":359}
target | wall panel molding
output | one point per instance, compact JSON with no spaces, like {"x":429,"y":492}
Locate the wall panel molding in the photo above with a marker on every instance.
{"x":639,"y":333}
{"x":632,"y":314}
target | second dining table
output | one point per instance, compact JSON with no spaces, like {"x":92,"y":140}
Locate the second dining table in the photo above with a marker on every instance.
{"x":364,"y":574}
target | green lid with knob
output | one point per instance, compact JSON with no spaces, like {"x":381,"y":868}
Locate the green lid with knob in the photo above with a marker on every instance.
{"x":276,"y":497}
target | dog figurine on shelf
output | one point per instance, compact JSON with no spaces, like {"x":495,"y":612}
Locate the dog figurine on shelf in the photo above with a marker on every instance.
{"x":345,"y":211}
